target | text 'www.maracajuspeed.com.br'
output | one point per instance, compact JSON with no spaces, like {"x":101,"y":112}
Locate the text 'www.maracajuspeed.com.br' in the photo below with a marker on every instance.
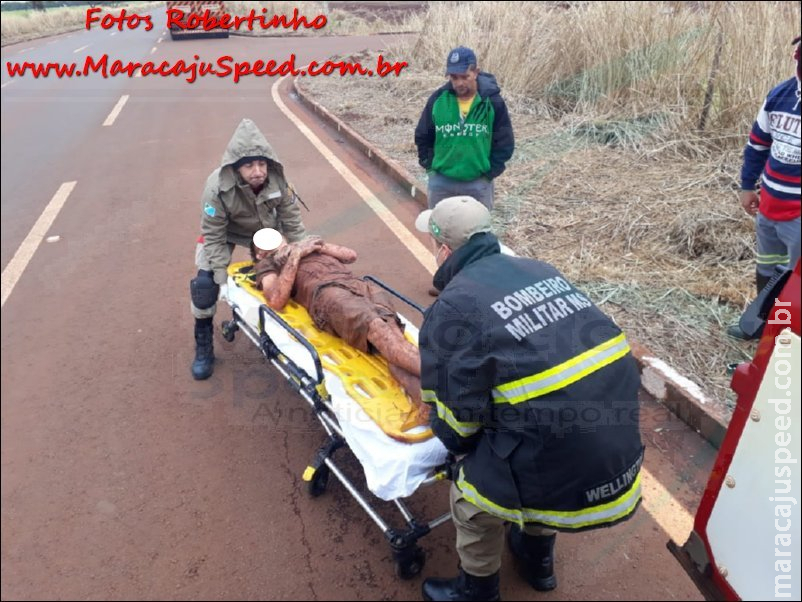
{"x":224,"y":66}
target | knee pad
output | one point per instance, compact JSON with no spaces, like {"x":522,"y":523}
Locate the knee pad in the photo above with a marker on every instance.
{"x":203,"y":290}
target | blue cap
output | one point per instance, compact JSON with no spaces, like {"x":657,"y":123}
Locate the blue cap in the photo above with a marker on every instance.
{"x":459,"y":60}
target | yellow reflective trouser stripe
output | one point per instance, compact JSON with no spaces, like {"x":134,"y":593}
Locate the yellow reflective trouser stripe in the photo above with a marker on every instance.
{"x":561,"y":376}
{"x":772,"y":259}
{"x":464,"y":429}
{"x":576,"y":519}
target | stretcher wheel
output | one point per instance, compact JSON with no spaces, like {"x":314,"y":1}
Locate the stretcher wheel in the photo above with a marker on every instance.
{"x":411,"y":565}
{"x":229,"y":330}
{"x":319,"y":481}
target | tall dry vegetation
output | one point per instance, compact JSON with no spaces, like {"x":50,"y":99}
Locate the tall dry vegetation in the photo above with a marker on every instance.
{"x":18,"y":26}
{"x":697,"y":68}
{"x":361,"y":19}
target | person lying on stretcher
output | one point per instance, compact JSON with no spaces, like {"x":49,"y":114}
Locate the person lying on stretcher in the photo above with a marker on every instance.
{"x":314,"y":273}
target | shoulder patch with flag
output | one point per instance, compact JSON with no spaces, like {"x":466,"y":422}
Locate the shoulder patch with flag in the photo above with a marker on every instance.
{"x":209,"y":210}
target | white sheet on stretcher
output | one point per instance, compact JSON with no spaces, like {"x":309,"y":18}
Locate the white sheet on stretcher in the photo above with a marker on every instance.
{"x":393,"y":469}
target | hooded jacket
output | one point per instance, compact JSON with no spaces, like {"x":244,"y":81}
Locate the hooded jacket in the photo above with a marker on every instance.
{"x":232,"y":213}
{"x":536,"y":386}
{"x":480,"y":145}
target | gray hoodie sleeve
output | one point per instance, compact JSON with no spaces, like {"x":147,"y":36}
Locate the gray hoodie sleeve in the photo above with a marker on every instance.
{"x":214,"y":226}
{"x":288,"y":215}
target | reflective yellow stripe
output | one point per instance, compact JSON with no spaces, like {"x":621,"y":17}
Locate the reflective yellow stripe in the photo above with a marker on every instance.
{"x":772,"y":259}
{"x":576,"y":519}
{"x":561,"y":376}
{"x":463,"y":429}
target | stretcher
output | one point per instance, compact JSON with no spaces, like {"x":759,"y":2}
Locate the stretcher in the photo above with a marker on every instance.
{"x":359,"y":405}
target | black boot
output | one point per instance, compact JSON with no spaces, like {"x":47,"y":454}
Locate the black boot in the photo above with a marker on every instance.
{"x":203,"y":366}
{"x":735,"y":330}
{"x":534,"y":555}
{"x":761,"y":281}
{"x":462,"y":587}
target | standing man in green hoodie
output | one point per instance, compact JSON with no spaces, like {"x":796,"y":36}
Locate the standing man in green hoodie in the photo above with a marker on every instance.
{"x":464,"y":136}
{"x":246,"y":193}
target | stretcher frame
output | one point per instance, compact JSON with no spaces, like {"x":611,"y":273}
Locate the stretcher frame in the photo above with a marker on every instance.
{"x":408,"y":556}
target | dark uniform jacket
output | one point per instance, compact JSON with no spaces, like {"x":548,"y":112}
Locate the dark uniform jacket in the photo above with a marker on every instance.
{"x":536,"y":386}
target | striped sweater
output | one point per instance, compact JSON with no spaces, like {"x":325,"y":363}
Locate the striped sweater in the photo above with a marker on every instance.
{"x":773,"y":151}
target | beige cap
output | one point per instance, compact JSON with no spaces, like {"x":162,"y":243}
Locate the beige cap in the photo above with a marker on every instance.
{"x":267,"y":239}
{"x":454,"y":220}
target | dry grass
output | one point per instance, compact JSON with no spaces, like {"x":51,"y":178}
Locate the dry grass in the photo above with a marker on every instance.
{"x":343,"y":18}
{"x":690,"y":64}
{"x":611,"y":181}
{"x":20,"y":26}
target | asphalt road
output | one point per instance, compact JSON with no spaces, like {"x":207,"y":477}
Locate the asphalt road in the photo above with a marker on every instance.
{"x":124,"y":478}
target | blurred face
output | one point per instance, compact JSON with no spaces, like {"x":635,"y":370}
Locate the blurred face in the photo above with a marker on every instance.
{"x":465,"y":83}
{"x":254,"y":173}
{"x":261,"y":254}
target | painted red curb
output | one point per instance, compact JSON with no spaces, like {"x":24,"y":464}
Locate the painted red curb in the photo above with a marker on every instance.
{"x":677,"y":393}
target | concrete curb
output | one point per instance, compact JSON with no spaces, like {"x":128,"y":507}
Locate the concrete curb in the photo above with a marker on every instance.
{"x":389,"y":166}
{"x":680,"y":395}
{"x":673,"y":390}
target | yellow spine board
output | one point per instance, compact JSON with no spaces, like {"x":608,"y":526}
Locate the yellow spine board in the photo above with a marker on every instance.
{"x":365,"y":377}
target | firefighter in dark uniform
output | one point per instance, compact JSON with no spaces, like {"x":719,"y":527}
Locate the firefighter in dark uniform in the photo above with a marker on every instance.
{"x":536,"y":389}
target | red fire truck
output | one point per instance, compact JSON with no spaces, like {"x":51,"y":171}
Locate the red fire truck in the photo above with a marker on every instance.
{"x":185,"y":24}
{"x":745,"y":539}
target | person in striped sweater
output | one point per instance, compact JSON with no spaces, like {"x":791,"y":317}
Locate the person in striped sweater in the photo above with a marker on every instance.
{"x":772,"y":163}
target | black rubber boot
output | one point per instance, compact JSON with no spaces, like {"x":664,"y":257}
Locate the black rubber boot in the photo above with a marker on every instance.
{"x":462,"y":587}
{"x":203,"y":366}
{"x":761,"y":281}
{"x":735,"y":330}
{"x":534,"y":555}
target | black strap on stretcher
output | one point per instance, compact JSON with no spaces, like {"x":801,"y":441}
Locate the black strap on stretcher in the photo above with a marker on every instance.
{"x":393,"y":292}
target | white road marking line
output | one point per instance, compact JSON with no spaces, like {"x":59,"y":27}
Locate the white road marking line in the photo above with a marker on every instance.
{"x":116,"y":110}
{"x":113,"y":33}
{"x":418,"y":249}
{"x":9,"y":82}
{"x":81,"y":48}
{"x":138,"y":72}
{"x":18,"y":263}
{"x":152,"y":50}
{"x":26,"y":50}
{"x":51,"y":42}
{"x":159,"y":41}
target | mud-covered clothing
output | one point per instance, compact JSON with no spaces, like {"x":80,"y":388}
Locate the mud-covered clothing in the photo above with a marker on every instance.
{"x":338,"y":302}
{"x":232,"y":213}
